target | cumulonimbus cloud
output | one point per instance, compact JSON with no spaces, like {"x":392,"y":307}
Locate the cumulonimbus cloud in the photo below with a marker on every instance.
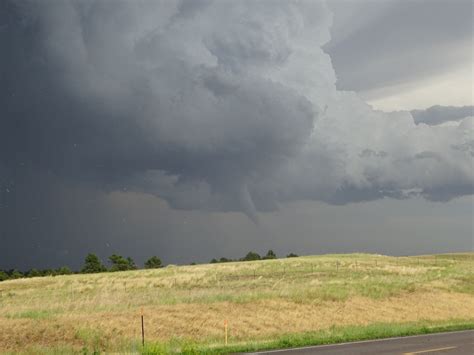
{"x":210,"y":105}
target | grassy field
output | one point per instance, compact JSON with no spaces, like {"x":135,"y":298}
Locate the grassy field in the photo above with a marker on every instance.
{"x":272,"y":303}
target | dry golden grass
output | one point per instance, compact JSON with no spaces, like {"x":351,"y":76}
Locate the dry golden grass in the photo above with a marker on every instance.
{"x":261,"y":300}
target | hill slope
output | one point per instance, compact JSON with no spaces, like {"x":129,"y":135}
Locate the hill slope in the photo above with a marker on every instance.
{"x":312,"y":297}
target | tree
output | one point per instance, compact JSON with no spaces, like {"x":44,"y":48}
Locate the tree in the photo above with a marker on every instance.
{"x":292,"y":255}
{"x":225,"y":260}
{"x":131,"y":264}
{"x":214,"y":261}
{"x":153,"y":263}
{"x":251,"y":255}
{"x":270,"y":255}
{"x":119,"y":263}
{"x":92,"y":264}
{"x":3,"y":275}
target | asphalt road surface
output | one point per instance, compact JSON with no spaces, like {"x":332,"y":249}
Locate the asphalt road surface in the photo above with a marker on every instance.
{"x":452,"y":343}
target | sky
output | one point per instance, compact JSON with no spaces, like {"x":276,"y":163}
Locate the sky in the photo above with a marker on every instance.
{"x":404,"y":54}
{"x":199,"y":129}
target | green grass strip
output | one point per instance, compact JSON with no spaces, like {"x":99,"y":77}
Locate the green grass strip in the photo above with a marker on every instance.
{"x":332,"y":335}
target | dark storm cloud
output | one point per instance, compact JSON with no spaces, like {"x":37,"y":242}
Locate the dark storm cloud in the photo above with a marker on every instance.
{"x":381,"y":43}
{"x":82,"y":101}
{"x":209,"y":105}
{"x":435,"y":115}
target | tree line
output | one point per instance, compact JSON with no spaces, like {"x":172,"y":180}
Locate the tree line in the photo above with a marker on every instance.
{"x":251,"y":256}
{"x":93,"y":264}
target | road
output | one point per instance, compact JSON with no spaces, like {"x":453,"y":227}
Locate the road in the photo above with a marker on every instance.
{"x":452,"y":343}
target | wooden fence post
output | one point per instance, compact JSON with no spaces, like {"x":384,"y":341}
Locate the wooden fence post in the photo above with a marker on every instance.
{"x":225,"y":331}
{"x":143,"y":329}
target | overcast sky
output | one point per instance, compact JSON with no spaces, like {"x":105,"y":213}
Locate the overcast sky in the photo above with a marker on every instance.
{"x":404,"y":54}
{"x":199,"y":129}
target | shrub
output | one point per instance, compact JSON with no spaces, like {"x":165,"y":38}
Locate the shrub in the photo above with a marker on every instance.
{"x":16,"y":275}
{"x":34,"y":273}
{"x":63,"y":271}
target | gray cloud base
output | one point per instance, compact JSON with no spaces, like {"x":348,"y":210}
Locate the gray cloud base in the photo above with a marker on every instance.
{"x":435,"y":115}
{"x":221,"y":106}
